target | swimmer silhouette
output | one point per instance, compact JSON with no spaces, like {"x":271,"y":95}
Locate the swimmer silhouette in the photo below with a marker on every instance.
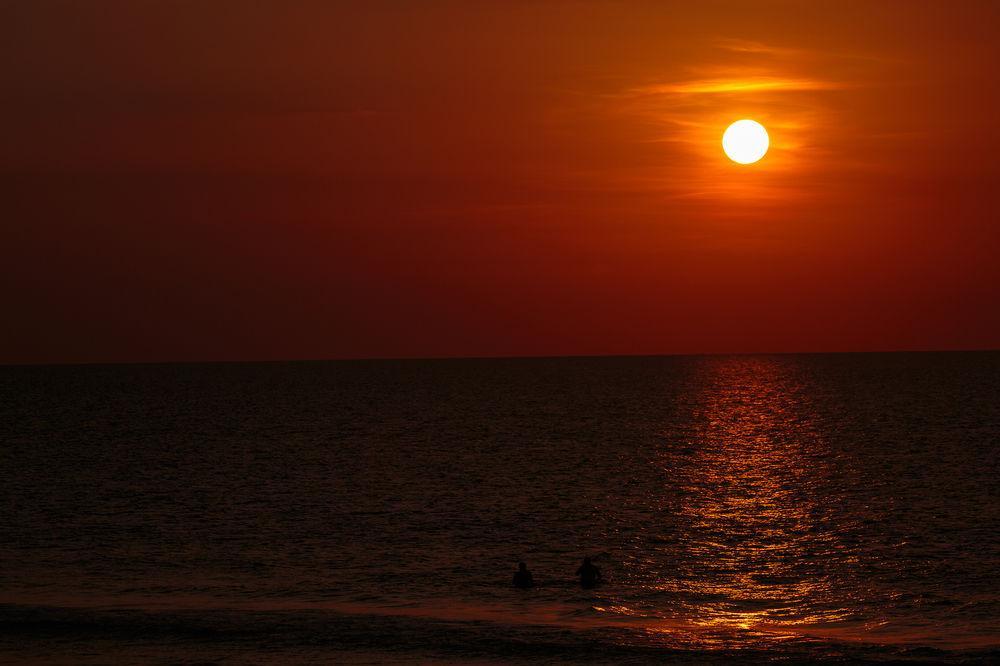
{"x":589,"y":575}
{"x":523,"y":578}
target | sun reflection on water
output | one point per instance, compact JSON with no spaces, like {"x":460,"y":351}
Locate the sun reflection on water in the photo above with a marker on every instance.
{"x":751,"y":507}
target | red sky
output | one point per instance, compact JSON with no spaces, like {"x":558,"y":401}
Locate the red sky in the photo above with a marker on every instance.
{"x":275,"y":180}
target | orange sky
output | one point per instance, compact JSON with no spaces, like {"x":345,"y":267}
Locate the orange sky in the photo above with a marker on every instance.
{"x":234,"y":180}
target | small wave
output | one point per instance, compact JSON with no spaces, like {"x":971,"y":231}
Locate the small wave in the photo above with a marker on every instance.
{"x":324,"y":633}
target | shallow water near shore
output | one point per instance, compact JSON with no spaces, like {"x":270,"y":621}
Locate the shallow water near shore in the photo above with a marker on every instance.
{"x":791,"y":507}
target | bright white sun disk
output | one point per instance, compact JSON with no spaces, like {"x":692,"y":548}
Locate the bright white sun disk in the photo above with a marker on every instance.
{"x":745,"y":141}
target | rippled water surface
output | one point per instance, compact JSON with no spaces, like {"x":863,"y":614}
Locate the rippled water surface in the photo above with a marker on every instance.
{"x":771,"y":507}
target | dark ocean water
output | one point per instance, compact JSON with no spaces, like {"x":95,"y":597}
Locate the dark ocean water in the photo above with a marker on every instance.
{"x":772,"y":508}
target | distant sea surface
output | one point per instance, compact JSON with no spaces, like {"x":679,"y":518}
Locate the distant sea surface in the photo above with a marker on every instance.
{"x":762,"y":508}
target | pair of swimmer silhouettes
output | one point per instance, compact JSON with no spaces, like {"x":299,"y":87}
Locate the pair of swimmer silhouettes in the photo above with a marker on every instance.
{"x":589,"y":575}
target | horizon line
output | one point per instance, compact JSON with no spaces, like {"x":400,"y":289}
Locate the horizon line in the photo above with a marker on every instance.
{"x":520,"y":357}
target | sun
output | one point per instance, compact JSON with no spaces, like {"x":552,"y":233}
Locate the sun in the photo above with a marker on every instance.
{"x":745,"y":141}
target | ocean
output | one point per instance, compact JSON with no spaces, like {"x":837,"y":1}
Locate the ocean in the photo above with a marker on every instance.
{"x":785,"y":508}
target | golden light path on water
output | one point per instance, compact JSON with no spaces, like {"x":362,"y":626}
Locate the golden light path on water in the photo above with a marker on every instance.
{"x":762,"y":555}
{"x":756,"y":523}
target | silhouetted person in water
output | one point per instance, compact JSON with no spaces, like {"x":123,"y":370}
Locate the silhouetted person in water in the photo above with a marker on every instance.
{"x":523,"y":578}
{"x":589,"y":575}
